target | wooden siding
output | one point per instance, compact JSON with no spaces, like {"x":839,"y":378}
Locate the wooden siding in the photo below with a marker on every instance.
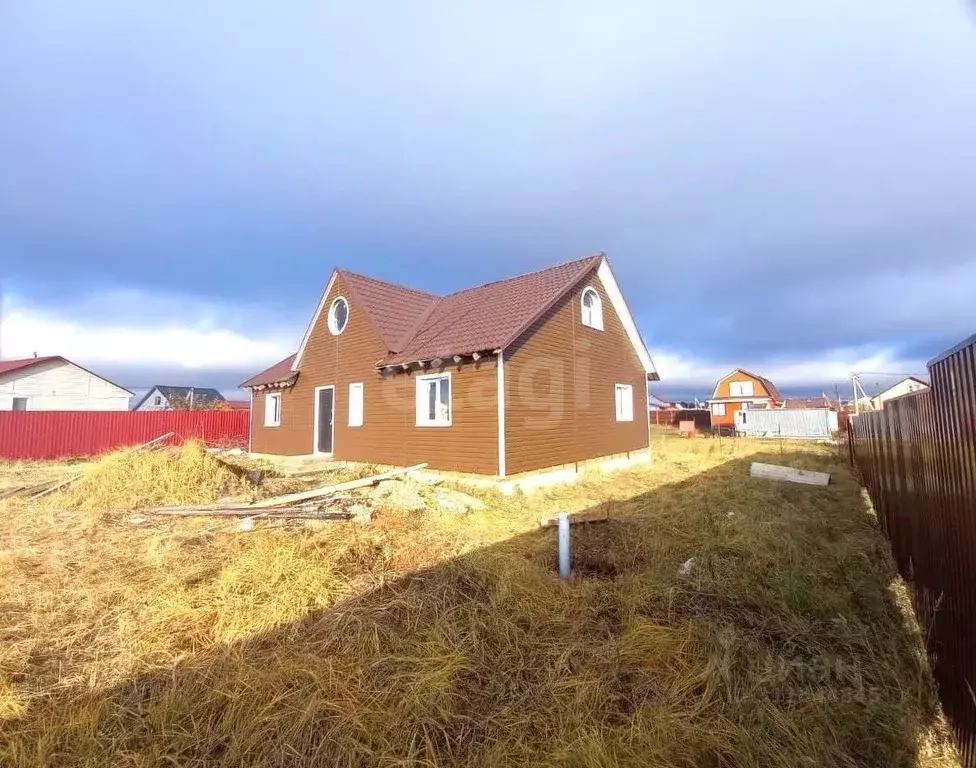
{"x":724,"y":389}
{"x":559,"y":388}
{"x":724,"y":386}
{"x":728,"y":420}
{"x":57,"y":385}
{"x":389,"y":434}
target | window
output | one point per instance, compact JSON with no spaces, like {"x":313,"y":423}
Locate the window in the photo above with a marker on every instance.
{"x":158,"y":400}
{"x":434,"y":400}
{"x":592,"y":309}
{"x":272,"y":410}
{"x":718,"y":409}
{"x":338,"y":316}
{"x":625,"y":402}
{"x":356,"y":404}
{"x":741,"y":389}
{"x":20,"y":404}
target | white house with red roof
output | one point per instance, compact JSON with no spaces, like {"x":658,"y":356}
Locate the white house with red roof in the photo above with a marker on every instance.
{"x":57,"y":384}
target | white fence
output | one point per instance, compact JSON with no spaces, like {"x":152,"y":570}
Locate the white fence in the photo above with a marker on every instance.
{"x":787,"y":422}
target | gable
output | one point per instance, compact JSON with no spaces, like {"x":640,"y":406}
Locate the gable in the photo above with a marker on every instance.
{"x":359,"y":346}
{"x":619,"y":305}
{"x":392,"y":311}
{"x":490,"y":317}
{"x":418,"y":327}
{"x":762,"y":387}
{"x":23,"y":369}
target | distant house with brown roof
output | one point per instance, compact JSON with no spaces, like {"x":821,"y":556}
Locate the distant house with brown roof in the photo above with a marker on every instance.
{"x":542,"y":370}
{"x":741,"y":390}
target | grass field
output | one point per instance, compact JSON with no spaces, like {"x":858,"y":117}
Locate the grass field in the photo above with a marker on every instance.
{"x":431,"y":638}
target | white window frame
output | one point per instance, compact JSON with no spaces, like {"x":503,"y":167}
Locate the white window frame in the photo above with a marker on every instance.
{"x":25,"y":398}
{"x":718,"y":409}
{"x":332,"y":307}
{"x":357,"y":404}
{"x":745,"y":389}
{"x":423,"y":419}
{"x":591,"y":317}
{"x":623,"y":401}
{"x":268,"y":399}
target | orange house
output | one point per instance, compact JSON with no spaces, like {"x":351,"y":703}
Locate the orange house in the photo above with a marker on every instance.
{"x":739,"y":391}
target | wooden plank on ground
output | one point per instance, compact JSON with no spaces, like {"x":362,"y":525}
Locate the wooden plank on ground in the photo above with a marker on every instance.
{"x":293,"y":498}
{"x":331,"y":489}
{"x":287,"y":513}
{"x":57,"y":486}
{"x":6,"y":492}
{"x":789,"y":474}
{"x":598,"y":516}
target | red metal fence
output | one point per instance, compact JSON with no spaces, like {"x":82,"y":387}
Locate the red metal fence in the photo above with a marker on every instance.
{"x":69,"y":434}
{"x":917,"y":458}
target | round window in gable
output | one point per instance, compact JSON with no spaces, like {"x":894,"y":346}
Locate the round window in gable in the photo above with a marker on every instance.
{"x":338,"y":316}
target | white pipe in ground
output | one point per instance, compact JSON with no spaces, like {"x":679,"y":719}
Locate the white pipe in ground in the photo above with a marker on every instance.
{"x":564,"y":557}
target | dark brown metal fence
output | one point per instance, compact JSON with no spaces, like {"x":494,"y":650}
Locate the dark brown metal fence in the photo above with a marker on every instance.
{"x":917,"y":458}
{"x":671,"y":418}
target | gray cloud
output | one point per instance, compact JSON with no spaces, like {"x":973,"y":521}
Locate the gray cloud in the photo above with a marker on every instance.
{"x":769,"y":179}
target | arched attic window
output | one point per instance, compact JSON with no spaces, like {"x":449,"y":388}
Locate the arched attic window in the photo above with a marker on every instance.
{"x":592,"y":308}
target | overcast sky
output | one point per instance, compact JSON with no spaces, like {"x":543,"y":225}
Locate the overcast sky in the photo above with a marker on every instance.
{"x":789,"y":187}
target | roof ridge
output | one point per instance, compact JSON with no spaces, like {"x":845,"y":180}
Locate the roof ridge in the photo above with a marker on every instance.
{"x":521,"y":275}
{"x":349,"y":272}
{"x":440,"y":333}
{"x":411,"y":333}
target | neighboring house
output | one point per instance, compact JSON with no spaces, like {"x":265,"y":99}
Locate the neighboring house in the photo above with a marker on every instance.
{"x":57,"y":384}
{"x":657,"y":402}
{"x":739,"y":391}
{"x":904,"y":387}
{"x":234,"y":405}
{"x":161,"y":398}
{"x":537,"y":371}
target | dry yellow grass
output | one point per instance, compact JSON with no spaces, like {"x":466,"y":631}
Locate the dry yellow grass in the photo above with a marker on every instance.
{"x":432,"y":638}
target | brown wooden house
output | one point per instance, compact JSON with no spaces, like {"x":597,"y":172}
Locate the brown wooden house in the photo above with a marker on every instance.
{"x":740,"y":390}
{"x":542,"y":370}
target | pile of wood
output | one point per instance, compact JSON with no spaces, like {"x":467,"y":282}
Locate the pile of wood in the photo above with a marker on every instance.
{"x":39,"y":490}
{"x":330,"y":502}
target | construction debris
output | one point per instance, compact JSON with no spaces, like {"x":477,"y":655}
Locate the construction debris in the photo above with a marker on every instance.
{"x":284,"y":513}
{"x":57,"y":486}
{"x":600,"y":516}
{"x":777,"y":472}
{"x":329,"y":490}
{"x":458,"y":501}
{"x":26,"y":490}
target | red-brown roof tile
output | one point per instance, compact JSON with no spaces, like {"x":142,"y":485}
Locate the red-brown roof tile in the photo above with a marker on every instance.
{"x":770,"y":387}
{"x":278,"y":373}
{"x":490,"y":316}
{"x":416,"y":325}
{"x":392,"y":309}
